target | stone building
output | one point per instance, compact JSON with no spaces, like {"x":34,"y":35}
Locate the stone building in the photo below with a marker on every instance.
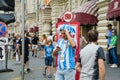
{"x":104,"y":11}
{"x":45,"y":14}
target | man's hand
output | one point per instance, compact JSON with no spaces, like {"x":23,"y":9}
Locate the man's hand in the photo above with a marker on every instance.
{"x":110,"y":47}
{"x":67,"y":32}
{"x":56,"y":51}
{"x":72,"y":43}
{"x":78,"y":66}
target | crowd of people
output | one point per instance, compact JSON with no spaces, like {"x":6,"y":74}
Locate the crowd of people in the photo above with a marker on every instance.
{"x":61,"y":53}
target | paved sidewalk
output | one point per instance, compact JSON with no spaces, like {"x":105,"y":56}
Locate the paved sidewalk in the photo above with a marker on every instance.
{"x":37,"y":65}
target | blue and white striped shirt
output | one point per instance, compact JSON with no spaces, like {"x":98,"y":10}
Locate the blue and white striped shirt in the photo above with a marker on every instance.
{"x":67,"y":53}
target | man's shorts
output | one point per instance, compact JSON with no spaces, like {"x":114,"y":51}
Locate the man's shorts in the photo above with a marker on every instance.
{"x":34,"y":46}
{"x":26,"y":58}
{"x":48,"y":61}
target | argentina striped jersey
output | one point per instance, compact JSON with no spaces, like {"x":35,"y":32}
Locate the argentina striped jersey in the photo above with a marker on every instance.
{"x":66,"y":57}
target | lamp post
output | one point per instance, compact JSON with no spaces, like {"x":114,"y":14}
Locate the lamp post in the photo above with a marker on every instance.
{"x":23,"y":28}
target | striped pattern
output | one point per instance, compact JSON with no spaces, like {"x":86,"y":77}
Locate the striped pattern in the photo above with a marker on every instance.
{"x":68,"y":53}
{"x":88,"y":8}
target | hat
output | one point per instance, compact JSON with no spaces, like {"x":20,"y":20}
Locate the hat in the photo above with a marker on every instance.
{"x":68,"y":27}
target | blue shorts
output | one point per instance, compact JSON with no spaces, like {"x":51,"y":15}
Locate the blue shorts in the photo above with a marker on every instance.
{"x":48,"y":61}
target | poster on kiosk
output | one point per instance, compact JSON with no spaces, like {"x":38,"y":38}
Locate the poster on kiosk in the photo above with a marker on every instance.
{"x":74,"y":28}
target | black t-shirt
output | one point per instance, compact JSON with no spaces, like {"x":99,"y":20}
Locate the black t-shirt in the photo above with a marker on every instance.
{"x":26,"y":47}
{"x":35,"y":40}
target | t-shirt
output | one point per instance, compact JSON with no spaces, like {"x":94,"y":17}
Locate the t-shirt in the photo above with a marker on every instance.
{"x":26,"y":47}
{"x":89,"y":56}
{"x":113,"y":41}
{"x":48,"y":50}
{"x":34,"y":40}
{"x":109,"y":33}
{"x":66,"y":57}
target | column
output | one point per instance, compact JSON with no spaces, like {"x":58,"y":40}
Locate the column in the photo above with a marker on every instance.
{"x":103,"y":7}
{"x":57,"y":7}
{"x":46,"y":20}
{"x":40,"y":23}
{"x":46,"y":28}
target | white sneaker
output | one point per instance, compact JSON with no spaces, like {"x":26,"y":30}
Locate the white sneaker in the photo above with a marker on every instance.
{"x":25,"y":71}
{"x":114,"y":66}
{"x":19,"y":62}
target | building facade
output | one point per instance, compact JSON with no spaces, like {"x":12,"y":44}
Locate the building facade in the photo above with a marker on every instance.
{"x":104,"y":6}
{"x":45,"y":14}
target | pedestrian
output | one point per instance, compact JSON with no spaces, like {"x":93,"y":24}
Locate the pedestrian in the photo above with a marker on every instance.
{"x":91,"y":60}
{"x":18,"y":49}
{"x":54,"y":57}
{"x":50,"y":37}
{"x":43,"y":43}
{"x":13,"y":42}
{"x":34,"y":41}
{"x":113,"y":49}
{"x":26,"y":51}
{"x":48,"y":58}
{"x":65,"y":49}
{"x":108,"y":37}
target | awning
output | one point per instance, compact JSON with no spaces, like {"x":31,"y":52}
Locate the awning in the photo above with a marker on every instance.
{"x":60,"y":17}
{"x":114,"y":10}
{"x":86,"y":14}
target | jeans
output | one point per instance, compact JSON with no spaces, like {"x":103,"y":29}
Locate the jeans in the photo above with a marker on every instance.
{"x":113,"y":53}
{"x":65,"y":74}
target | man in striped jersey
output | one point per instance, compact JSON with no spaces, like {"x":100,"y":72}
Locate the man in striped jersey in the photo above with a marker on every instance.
{"x":65,"y":49}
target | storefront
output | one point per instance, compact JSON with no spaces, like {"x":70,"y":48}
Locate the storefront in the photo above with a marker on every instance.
{"x":86,"y":14}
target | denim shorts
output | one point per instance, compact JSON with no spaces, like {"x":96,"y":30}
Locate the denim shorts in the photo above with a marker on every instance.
{"x":48,"y":61}
{"x":65,"y":74}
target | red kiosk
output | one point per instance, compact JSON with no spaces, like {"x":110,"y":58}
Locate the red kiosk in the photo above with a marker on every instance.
{"x":68,"y":18}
